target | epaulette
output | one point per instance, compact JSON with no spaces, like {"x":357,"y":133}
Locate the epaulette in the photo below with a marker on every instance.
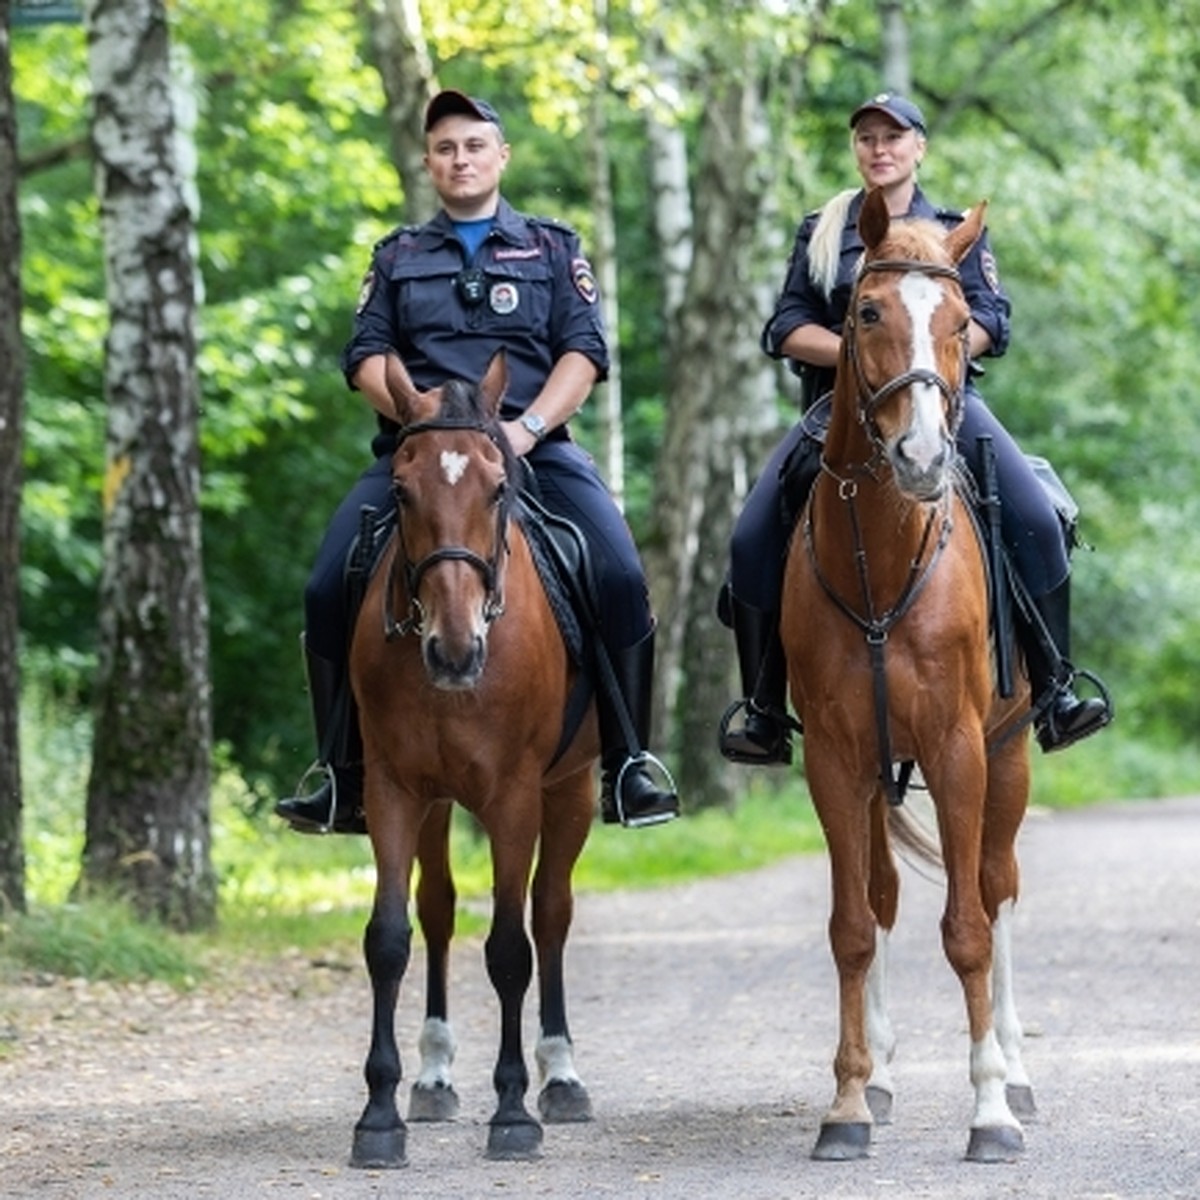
{"x":950,"y":214}
{"x":399,"y":231}
{"x":553,"y":223}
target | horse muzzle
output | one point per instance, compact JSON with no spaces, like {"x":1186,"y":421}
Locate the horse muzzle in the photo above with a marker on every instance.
{"x":454,"y":669}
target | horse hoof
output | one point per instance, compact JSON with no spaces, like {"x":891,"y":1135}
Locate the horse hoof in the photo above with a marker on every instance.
{"x":520,"y":1141}
{"x":1020,"y":1101}
{"x":843,"y":1141}
{"x":879,"y":1101}
{"x":436,"y":1102}
{"x":996,"y":1144}
{"x":563,"y":1101}
{"x":379,"y":1149}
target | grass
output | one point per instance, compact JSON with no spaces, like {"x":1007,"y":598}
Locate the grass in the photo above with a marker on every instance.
{"x":283,"y":893}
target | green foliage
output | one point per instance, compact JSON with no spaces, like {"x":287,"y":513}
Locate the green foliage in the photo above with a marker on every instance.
{"x":99,"y":939}
{"x":1077,"y":121}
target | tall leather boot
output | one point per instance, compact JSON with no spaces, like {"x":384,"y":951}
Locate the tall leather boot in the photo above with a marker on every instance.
{"x":336,"y":806}
{"x":764,"y":737}
{"x":628,"y":795}
{"x":1066,"y":718}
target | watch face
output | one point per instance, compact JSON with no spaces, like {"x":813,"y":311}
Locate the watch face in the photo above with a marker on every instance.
{"x":534,"y":424}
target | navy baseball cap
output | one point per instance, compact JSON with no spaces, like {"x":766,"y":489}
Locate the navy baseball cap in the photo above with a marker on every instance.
{"x":446,"y":103}
{"x":901,"y":110}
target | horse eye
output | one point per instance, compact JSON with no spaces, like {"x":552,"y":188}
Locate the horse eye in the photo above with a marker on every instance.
{"x":399,"y":492}
{"x":500,"y":493}
{"x":868,"y":314}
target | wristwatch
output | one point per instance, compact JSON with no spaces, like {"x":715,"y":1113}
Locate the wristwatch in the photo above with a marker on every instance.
{"x":535,"y":424}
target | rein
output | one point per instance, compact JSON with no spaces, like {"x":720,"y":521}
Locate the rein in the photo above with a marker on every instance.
{"x":488,"y":568}
{"x":877,"y":626}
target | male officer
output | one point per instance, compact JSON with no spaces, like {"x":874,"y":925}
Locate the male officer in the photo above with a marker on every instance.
{"x":445,"y":296}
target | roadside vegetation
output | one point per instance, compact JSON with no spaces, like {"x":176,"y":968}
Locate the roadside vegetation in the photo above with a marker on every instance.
{"x":286,"y":894}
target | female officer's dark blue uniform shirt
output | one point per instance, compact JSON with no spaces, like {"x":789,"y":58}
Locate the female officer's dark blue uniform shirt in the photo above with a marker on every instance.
{"x":529,"y":289}
{"x":802,"y":302}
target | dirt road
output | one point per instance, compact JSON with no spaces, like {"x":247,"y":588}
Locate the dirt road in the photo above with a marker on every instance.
{"x":704,"y":1025}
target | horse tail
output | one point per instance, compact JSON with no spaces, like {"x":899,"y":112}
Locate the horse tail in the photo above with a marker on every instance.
{"x":825,"y":245}
{"x":913,"y":838}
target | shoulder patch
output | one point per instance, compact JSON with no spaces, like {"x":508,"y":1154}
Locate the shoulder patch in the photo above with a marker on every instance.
{"x":987,"y":264}
{"x":584,"y":279}
{"x":365,"y":292}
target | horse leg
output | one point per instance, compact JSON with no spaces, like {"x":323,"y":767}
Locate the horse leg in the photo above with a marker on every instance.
{"x":380,"y":1135}
{"x":1008,"y":789}
{"x":884,"y":890}
{"x":958,"y":790}
{"x":846,"y":1128}
{"x":513,"y":1133}
{"x":433,"y":1097}
{"x":566,"y":823}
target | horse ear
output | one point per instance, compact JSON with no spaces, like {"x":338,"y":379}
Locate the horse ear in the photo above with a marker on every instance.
{"x":873,"y":219}
{"x":494,"y":383}
{"x":964,"y":235}
{"x":404,"y":394}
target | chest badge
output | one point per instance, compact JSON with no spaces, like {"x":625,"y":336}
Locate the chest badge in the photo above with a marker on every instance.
{"x":504,"y":298}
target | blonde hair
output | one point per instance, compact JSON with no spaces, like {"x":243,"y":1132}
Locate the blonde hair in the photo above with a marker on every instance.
{"x":825,"y":245}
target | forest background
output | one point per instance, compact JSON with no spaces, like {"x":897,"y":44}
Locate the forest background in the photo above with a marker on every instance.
{"x":685,"y":140}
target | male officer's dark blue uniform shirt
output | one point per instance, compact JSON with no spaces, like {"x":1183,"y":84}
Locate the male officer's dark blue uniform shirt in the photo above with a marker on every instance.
{"x":531,"y":291}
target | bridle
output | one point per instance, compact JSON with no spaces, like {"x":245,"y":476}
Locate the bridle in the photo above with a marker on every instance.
{"x":870,"y":398}
{"x":876,"y":626}
{"x":489,"y":568}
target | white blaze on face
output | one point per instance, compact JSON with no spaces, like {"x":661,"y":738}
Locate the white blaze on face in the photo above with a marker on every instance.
{"x":921,"y":297}
{"x":453,"y":466}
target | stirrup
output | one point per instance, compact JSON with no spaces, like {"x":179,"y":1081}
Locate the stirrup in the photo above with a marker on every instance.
{"x":777,"y":755}
{"x":316,"y":767}
{"x":632,"y":761}
{"x":1045,"y":723}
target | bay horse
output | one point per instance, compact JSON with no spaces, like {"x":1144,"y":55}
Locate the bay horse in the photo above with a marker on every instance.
{"x":463,"y":701}
{"x":885,"y":630}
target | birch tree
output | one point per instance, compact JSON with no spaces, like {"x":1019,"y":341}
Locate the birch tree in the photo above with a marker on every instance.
{"x":12,"y":863}
{"x":148,"y":832}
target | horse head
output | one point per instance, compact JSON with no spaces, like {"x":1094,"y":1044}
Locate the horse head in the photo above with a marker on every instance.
{"x":905,"y":342}
{"x":450,"y":477}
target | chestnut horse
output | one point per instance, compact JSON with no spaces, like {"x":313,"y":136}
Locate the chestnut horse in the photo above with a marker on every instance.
{"x":463,"y":700}
{"x":885,"y":628}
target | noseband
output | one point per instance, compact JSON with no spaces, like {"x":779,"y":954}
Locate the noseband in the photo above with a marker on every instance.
{"x":869,"y":398}
{"x":488,"y":568}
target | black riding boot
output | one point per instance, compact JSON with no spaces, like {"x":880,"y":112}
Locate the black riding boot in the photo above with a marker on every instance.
{"x":764,"y":738}
{"x":628,"y":795}
{"x":1066,"y":718}
{"x":336,"y":806}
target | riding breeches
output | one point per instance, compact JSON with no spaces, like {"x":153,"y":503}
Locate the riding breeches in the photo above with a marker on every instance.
{"x":570,"y":487}
{"x":1030,"y":525}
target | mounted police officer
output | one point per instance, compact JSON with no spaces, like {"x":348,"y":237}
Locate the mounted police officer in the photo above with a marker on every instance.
{"x":889,"y":140}
{"x":445,"y":296}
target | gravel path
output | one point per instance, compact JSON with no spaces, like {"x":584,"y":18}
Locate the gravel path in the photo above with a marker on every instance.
{"x":704,"y":1025}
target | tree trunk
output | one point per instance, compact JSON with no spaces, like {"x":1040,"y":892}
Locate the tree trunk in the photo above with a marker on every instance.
{"x":608,"y":395}
{"x":720,"y":384}
{"x":396,"y":45}
{"x":148,"y":832}
{"x":12,"y":397}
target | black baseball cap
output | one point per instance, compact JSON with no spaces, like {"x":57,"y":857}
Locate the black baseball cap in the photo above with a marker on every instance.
{"x":446,"y":103}
{"x":901,"y":110}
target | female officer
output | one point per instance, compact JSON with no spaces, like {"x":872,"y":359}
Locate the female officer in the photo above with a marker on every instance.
{"x":889,"y":143}
{"x":444,"y":297}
